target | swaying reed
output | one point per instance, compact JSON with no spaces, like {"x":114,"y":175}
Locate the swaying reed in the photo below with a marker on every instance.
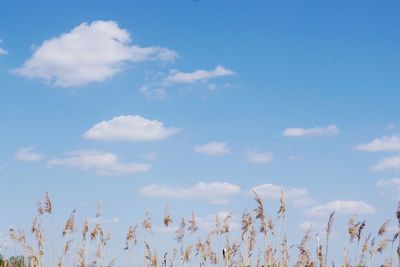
{"x":88,"y":246}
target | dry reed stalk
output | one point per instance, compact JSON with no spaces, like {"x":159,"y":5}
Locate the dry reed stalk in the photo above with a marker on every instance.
{"x":260,"y":215}
{"x":328,"y":234}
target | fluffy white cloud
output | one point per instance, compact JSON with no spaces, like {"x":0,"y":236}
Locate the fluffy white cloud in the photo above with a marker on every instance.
{"x":389,"y":163}
{"x":27,"y":154}
{"x":390,"y":187}
{"x":129,"y":128}
{"x":259,"y":157}
{"x":342,"y":207}
{"x":298,"y":197}
{"x":213,"y":192}
{"x":198,"y":75}
{"x":329,"y":130}
{"x":213,"y":149}
{"x":88,"y":53}
{"x":386,"y":143}
{"x":100,"y":162}
{"x":2,"y":50}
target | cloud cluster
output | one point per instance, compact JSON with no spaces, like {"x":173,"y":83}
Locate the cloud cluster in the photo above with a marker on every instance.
{"x":329,"y":130}
{"x":213,"y":149}
{"x":99,"y":162}
{"x":88,"y":53}
{"x":212,"y":192}
{"x":129,"y":128}
{"x":27,"y":154}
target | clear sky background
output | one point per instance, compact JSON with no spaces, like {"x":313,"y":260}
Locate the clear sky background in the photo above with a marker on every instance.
{"x":195,"y":103}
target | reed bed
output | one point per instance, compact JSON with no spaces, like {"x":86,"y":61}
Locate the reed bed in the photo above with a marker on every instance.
{"x":262,"y":241}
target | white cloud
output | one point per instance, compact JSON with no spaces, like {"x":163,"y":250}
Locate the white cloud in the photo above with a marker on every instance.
{"x":259,"y":157}
{"x":2,"y":167}
{"x":386,"y":143}
{"x":2,"y":50}
{"x":390,"y":187}
{"x":213,"y":149}
{"x":298,"y":197}
{"x":27,"y":154}
{"x":329,"y":130}
{"x":342,"y":207}
{"x":198,"y":75}
{"x":389,"y":163}
{"x":129,"y":128}
{"x":88,"y":53}
{"x":100,"y":162}
{"x":213,"y":192}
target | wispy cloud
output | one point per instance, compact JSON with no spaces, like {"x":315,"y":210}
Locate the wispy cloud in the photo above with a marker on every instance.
{"x":129,"y":128}
{"x":2,"y":50}
{"x":198,"y":75}
{"x":329,"y":130}
{"x":389,"y":187}
{"x":212,"y":192}
{"x":342,"y":207}
{"x":213,"y":149}
{"x":27,"y":154}
{"x":88,"y":53}
{"x":99,"y":162}
{"x":259,"y":157}
{"x":388,"y":163}
{"x":151,"y":93}
{"x":298,"y":197}
{"x":386,"y":143}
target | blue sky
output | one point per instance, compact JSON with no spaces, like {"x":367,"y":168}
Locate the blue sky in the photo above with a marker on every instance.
{"x":195,"y":103}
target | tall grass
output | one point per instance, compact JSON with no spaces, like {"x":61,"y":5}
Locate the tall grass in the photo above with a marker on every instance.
{"x":262,"y":241}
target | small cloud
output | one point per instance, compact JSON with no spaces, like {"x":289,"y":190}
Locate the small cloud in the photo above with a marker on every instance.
{"x":386,"y":143}
{"x":152,"y":93}
{"x":212,"y":87}
{"x":102,"y":220}
{"x":27,"y":154}
{"x":389,"y":163}
{"x":150,"y":156}
{"x":315,"y":226}
{"x":2,"y":50}
{"x":389,"y":187}
{"x":129,"y":128}
{"x":330,"y":130}
{"x":212,"y":192}
{"x":88,"y":53}
{"x":213,"y":149}
{"x":259,"y":157}
{"x":342,"y":207}
{"x":100,"y":162}
{"x":2,"y":168}
{"x":391,"y":126}
{"x":295,"y":157}
{"x":298,"y":197}
{"x":198,"y":75}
